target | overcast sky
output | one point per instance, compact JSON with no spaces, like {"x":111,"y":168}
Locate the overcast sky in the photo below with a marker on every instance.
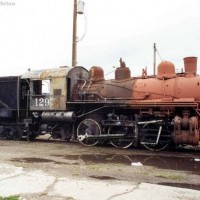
{"x":38,"y":33}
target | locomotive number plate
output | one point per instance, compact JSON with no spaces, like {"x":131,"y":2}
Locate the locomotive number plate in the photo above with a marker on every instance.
{"x":42,"y":102}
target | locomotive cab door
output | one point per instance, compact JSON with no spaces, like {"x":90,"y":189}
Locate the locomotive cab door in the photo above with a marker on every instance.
{"x":39,"y":95}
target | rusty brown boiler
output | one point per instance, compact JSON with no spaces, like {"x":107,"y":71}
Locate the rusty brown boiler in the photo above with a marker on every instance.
{"x":166,"y":86}
{"x":169,"y":85}
{"x":171,"y":96}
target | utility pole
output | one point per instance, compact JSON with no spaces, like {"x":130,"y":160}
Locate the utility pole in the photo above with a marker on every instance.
{"x":78,"y":9}
{"x":154,"y":59}
{"x":74,"y":38}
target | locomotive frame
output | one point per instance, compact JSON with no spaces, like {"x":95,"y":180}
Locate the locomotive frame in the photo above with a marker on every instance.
{"x":72,"y":103}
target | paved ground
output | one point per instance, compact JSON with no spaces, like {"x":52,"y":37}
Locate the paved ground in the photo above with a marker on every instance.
{"x":47,"y":170}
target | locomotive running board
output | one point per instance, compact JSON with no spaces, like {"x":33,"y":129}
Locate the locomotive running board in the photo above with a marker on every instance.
{"x":105,"y":137}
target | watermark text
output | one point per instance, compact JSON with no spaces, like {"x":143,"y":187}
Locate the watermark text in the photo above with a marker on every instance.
{"x":7,"y":3}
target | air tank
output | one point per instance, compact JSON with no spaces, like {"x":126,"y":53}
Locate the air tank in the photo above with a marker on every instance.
{"x":66,"y":116}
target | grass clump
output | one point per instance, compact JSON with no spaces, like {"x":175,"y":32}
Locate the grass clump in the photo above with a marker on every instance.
{"x":10,"y":198}
{"x":172,"y":177}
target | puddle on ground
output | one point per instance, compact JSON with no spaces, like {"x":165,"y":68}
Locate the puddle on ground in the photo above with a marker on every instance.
{"x":103,"y":177}
{"x":189,"y":164}
{"x":35,"y":160}
{"x":182,"y":185}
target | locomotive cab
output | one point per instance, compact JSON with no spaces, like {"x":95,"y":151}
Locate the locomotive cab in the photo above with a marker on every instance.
{"x":48,"y":89}
{"x":51,"y":89}
{"x":49,"y":96}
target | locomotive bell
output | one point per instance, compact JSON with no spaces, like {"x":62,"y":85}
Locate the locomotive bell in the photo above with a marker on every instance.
{"x":122,"y":72}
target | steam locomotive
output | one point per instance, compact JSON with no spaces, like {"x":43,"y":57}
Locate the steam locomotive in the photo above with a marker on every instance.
{"x":74,"y":103}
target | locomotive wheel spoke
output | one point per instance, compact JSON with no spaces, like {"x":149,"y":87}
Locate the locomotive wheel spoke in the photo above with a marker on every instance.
{"x":122,"y":142}
{"x":152,"y":131}
{"x":86,"y":128}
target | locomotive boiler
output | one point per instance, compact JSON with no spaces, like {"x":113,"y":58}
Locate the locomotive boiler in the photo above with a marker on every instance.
{"x":73,"y":103}
{"x":152,"y":111}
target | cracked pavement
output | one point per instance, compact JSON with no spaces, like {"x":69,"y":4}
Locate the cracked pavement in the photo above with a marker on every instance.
{"x":50,"y":171}
{"x":40,"y":185}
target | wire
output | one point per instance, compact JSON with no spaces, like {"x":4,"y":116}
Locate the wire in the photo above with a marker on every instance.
{"x":110,"y":73}
{"x":158,"y":53}
{"x":85,"y":31}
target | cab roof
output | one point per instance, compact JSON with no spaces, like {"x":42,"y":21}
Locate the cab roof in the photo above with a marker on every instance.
{"x":47,"y":73}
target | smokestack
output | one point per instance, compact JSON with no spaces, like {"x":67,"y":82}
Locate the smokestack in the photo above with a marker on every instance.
{"x":190,"y":64}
